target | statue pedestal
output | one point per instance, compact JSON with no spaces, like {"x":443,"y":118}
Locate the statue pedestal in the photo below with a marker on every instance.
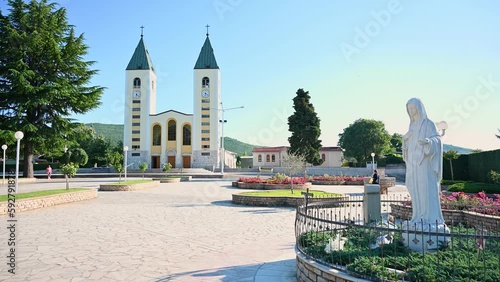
{"x":420,"y":237}
{"x":371,"y":203}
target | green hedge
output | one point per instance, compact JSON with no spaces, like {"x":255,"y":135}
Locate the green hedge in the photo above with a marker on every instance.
{"x":9,"y":167}
{"x":480,"y":165}
{"x":460,"y":168}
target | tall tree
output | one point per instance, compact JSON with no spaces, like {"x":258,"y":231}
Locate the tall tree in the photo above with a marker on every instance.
{"x":43,"y":76}
{"x":363,"y":137}
{"x":451,"y":155}
{"x":304,"y":126}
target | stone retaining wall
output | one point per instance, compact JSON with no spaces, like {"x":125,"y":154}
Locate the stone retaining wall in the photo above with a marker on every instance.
{"x":131,"y":187}
{"x":259,"y":201}
{"x":385,"y":183}
{"x":51,"y":200}
{"x":468,"y":218}
{"x":309,"y":270}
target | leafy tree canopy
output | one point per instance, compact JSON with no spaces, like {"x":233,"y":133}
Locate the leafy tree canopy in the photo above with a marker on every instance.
{"x":43,"y":76}
{"x":363,"y":137}
{"x":397,"y":142}
{"x":304,"y":125}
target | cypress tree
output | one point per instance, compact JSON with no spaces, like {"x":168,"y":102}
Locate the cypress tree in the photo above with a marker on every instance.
{"x":304,"y":125}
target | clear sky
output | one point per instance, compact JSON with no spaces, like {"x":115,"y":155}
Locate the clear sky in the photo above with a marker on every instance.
{"x":357,"y":59}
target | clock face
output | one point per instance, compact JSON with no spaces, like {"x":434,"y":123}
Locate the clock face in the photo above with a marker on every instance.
{"x":136,"y":94}
{"x":205,"y":93}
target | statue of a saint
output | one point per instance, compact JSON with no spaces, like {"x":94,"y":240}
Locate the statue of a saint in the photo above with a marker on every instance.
{"x":423,"y":155}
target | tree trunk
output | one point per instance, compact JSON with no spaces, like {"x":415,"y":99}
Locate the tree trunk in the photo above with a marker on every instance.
{"x":451,"y":167}
{"x":291,"y":183}
{"x":28,"y":160}
{"x":67,"y":181}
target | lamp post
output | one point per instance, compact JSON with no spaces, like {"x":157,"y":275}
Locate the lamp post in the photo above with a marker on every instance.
{"x":18,"y":135}
{"x":125,"y":149}
{"x":373,"y":161}
{"x":4,"y":147}
{"x":223,"y":157}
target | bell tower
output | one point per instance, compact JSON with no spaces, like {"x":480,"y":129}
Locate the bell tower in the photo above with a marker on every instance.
{"x":206,"y":112}
{"x":140,"y":102}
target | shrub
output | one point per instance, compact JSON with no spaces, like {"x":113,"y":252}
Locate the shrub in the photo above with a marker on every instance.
{"x":474,"y":187}
{"x":495,"y":177}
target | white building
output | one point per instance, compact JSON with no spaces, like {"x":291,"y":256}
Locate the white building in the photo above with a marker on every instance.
{"x":272,"y":156}
{"x":183,"y":140}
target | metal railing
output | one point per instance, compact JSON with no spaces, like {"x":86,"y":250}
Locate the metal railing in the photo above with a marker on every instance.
{"x":335,"y":234}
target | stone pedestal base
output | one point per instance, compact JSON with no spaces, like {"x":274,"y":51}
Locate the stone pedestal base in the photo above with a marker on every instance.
{"x":420,"y":237}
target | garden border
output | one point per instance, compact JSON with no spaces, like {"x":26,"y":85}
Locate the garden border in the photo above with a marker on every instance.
{"x":267,"y":186}
{"x":310,"y":270}
{"x":50,"y":200}
{"x":129,"y":187}
{"x":262,"y":201}
{"x":469,"y":218}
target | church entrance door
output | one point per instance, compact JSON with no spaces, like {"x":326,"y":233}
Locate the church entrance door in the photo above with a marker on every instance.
{"x":155,"y":162}
{"x":186,"y":161}
{"x":171,"y":160}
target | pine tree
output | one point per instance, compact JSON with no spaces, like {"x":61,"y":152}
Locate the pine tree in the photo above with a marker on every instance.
{"x":304,"y":126}
{"x":43,"y":77}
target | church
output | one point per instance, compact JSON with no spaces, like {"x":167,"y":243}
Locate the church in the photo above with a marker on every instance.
{"x":183,"y":140}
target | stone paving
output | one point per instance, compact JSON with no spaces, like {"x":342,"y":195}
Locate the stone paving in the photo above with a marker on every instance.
{"x":187,"y":231}
{"x":178,"y":232}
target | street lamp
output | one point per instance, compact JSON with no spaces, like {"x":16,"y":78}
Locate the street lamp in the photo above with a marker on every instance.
{"x":18,"y":135}
{"x":125,"y":149}
{"x":373,"y":161}
{"x":223,"y":157}
{"x":4,"y":147}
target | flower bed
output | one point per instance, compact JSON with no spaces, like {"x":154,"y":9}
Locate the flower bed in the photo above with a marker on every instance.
{"x":279,"y":181}
{"x":473,"y":210}
{"x":337,"y":180}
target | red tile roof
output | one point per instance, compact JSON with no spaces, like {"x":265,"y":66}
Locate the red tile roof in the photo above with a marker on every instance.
{"x":270,"y":149}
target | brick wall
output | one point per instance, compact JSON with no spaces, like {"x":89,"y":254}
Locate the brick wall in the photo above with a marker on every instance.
{"x":52,"y":200}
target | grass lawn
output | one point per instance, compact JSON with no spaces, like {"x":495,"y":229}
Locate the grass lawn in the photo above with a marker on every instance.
{"x":288,"y":193}
{"x":4,"y":198}
{"x":130,"y":182}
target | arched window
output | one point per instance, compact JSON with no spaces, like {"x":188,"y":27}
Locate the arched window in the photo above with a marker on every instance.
{"x":137,"y":82}
{"x":205,"y":82}
{"x":273,"y":158}
{"x":156,"y":135}
{"x":268,"y":158}
{"x":259,"y":159}
{"x":186,"y":134}
{"x":172,"y":130}
{"x":323,"y":157}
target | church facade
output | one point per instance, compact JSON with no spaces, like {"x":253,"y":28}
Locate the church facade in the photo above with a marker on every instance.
{"x":183,"y":140}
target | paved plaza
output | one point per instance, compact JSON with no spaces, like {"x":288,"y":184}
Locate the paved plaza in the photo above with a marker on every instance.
{"x":187,"y":231}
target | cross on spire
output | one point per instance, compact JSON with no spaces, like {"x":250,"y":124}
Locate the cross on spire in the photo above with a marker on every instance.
{"x":207,"y":26}
{"x":142,"y":30}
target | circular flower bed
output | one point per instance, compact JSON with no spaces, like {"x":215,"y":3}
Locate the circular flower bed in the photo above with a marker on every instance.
{"x":279,"y":181}
{"x":337,"y":180}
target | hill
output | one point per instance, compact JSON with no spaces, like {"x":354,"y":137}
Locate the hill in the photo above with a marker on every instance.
{"x":238,"y":147}
{"x":460,"y":150}
{"x":114,"y":132}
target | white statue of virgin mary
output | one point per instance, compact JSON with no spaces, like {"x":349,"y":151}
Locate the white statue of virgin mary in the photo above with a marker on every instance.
{"x":423,"y":155}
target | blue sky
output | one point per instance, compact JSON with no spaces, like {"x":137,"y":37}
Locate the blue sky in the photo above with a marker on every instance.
{"x":358,"y":59}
